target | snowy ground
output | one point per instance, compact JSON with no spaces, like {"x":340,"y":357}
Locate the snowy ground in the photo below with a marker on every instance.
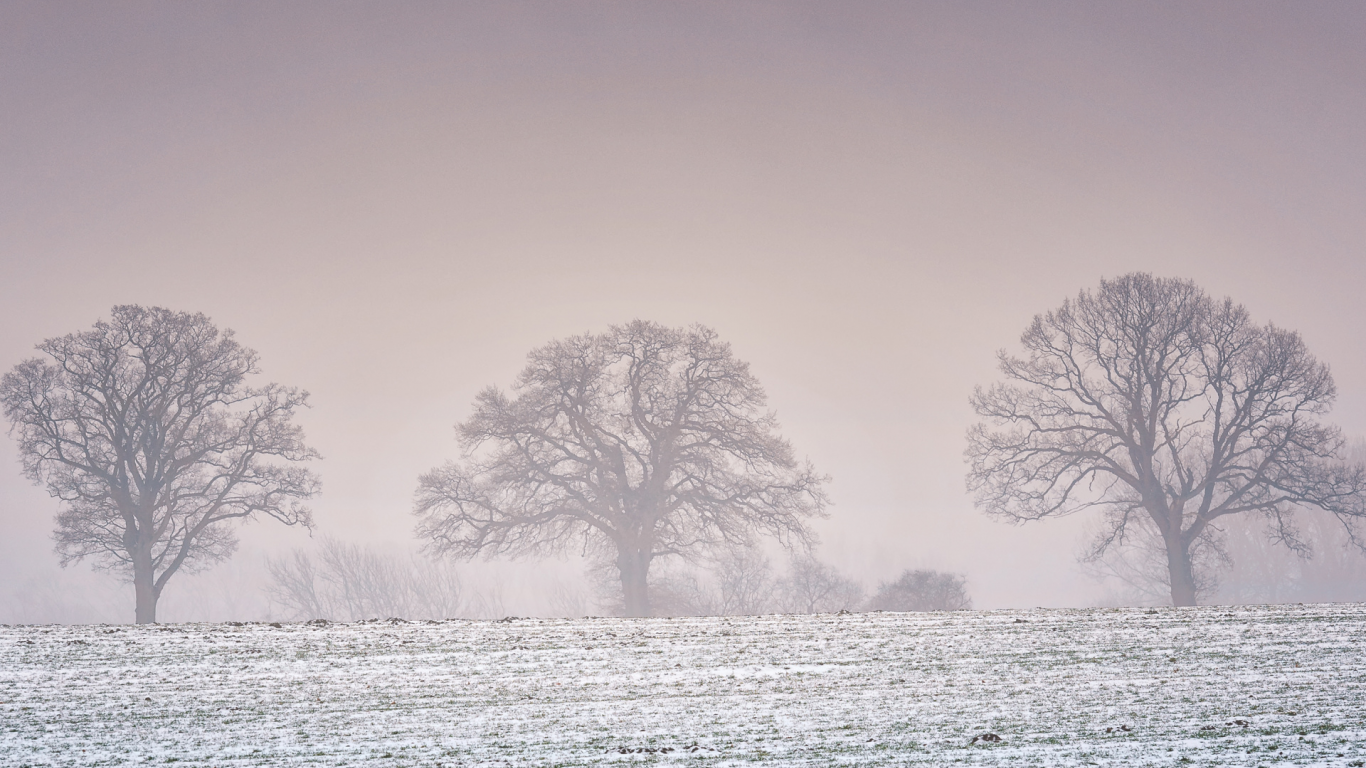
{"x":1126,"y":687}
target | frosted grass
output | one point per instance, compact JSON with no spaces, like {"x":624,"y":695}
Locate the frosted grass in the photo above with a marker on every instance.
{"x":1272,"y":685}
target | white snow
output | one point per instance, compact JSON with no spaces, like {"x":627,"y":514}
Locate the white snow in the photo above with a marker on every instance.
{"x":1058,"y":686}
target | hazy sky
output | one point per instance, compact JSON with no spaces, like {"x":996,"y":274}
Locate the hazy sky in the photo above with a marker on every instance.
{"x":394,"y":202}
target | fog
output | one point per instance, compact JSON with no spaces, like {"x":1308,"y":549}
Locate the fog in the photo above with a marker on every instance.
{"x":394,"y":203}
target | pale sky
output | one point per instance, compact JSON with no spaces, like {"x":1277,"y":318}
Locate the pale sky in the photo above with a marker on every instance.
{"x":394,"y":202}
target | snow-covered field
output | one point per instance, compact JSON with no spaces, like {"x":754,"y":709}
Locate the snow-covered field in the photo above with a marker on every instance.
{"x":1279,"y":685}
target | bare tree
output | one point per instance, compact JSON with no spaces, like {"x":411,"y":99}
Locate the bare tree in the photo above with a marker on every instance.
{"x":736,"y":582}
{"x":1242,"y":562}
{"x":1259,"y":571}
{"x":352,"y":582}
{"x":567,"y":601}
{"x":1337,"y":571}
{"x":811,"y":586}
{"x":1239,"y":560}
{"x":640,"y":443}
{"x":922,"y":591}
{"x":1138,"y":565}
{"x":1147,"y":398}
{"x":297,"y":586}
{"x":744,"y":581}
{"x":145,"y":429}
{"x":674,"y":591}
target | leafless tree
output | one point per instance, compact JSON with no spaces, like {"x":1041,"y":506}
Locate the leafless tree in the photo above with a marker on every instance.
{"x":1337,"y":570}
{"x":1239,"y":560}
{"x":674,"y":591}
{"x":811,"y":586}
{"x":738,"y":582}
{"x":1258,"y":570}
{"x":734,"y":582}
{"x":744,"y":581}
{"x":350,"y":582}
{"x":568,"y":602}
{"x":922,"y":591}
{"x":1147,"y":398}
{"x":1242,"y":562}
{"x":1139,"y":565}
{"x":641,"y":443}
{"x":145,"y":429}
{"x":297,"y":586}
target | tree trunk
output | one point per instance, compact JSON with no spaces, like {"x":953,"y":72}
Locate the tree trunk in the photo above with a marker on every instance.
{"x":144,"y":588}
{"x":634,"y":567}
{"x":1180,"y":572}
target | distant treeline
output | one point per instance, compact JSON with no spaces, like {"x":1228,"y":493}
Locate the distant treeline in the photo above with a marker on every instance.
{"x":348,"y":582}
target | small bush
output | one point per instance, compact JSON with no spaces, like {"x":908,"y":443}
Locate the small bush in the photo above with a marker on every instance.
{"x":922,"y":591}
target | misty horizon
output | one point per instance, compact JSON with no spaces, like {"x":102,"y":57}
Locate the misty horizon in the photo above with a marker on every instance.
{"x":394,"y":205}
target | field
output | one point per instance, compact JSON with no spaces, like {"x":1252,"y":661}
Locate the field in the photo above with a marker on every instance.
{"x":1267,"y":685}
